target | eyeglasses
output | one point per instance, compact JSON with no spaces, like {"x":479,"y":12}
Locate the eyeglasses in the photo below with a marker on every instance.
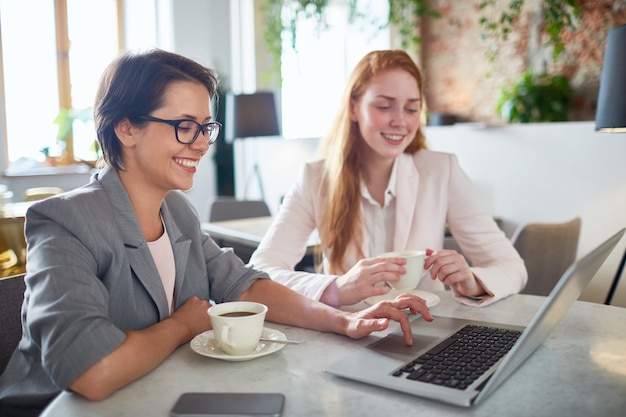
{"x":187,"y":131}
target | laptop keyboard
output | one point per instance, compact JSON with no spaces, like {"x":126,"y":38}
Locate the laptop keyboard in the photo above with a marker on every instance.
{"x":462,"y":358}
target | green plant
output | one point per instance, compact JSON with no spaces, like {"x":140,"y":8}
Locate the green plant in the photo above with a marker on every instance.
{"x":65,"y":121}
{"x":275,"y":25}
{"x":536,"y":98}
{"x":404,"y":15}
{"x":558,"y":15}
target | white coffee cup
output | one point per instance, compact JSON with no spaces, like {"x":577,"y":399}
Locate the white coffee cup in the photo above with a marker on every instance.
{"x":414,"y":268}
{"x":238,"y":325}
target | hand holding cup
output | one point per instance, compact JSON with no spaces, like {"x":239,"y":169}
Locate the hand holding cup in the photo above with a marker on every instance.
{"x":414,"y":268}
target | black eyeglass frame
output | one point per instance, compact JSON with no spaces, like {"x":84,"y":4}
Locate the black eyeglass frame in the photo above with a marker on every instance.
{"x":212,"y":128}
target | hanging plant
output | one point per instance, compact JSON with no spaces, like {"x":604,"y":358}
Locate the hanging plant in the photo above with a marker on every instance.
{"x":275,"y":24}
{"x":558,"y":15}
{"x":416,"y":9}
{"x":282,"y":16}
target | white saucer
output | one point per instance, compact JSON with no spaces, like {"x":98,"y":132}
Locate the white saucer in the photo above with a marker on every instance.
{"x":205,"y":344}
{"x":430,"y":298}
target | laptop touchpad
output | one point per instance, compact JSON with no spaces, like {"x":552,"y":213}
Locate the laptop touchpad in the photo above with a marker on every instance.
{"x":393,"y":345}
{"x":424,"y":334}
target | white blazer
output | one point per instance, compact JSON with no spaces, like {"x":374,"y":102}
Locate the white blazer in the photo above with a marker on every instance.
{"x":432,"y":190}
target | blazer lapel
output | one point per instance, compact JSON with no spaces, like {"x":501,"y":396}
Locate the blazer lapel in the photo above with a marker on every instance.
{"x":407,"y":186}
{"x":139,"y":256}
{"x":180,"y":247}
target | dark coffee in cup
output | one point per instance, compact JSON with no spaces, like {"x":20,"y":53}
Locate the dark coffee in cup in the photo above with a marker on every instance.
{"x":238,"y":314}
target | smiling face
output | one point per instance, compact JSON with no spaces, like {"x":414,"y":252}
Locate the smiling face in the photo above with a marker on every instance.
{"x":388,"y":114}
{"x":153,"y":158}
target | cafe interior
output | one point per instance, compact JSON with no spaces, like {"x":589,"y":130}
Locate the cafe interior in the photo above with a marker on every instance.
{"x":555,"y":184}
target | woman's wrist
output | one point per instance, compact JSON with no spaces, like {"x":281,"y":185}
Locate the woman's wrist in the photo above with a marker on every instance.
{"x":341,"y":322}
{"x":330,"y":295}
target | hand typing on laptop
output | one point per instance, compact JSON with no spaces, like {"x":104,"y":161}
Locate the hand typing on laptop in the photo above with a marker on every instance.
{"x":376,"y":317}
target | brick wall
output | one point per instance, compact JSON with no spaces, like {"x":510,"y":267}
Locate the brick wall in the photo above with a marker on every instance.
{"x":461,"y":80}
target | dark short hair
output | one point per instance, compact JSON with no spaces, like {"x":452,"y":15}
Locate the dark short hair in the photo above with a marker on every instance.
{"x":133,"y":85}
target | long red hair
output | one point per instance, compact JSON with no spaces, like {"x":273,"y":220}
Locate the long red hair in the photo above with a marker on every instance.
{"x":341,"y":149}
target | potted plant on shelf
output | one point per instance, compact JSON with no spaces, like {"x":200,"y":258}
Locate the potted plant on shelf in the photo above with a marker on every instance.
{"x":536,"y":98}
{"x":65,"y":121}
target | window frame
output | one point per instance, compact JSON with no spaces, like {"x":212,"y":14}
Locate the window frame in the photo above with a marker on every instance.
{"x":63,"y":58}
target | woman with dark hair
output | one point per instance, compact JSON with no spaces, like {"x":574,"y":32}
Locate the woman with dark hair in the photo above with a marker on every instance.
{"x":119,"y":272}
{"x":378,"y":189}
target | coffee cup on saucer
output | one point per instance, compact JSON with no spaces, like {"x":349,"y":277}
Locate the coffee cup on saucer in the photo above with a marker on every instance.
{"x":238,"y":325}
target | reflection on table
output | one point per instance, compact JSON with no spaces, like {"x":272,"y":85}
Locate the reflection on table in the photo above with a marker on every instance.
{"x":578,"y":371}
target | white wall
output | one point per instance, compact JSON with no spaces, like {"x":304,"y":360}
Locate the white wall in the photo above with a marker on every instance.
{"x":202,"y":32}
{"x":278,"y":161}
{"x":549,"y":172}
{"x":533,"y":172}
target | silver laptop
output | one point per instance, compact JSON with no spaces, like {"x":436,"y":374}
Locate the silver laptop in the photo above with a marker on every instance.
{"x":460,"y":361}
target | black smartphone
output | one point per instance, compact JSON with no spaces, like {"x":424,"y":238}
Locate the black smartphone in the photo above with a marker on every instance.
{"x":229,"y":404}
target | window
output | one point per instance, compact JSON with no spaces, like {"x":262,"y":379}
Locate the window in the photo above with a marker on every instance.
{"x":42,"y":75}
{"x":314,"y":77}
{"x":30,"y":75}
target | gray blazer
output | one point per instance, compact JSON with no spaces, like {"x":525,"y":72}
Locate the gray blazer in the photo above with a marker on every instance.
{"x":90,"y":277}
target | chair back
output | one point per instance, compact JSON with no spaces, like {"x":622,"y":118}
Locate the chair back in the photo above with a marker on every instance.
{"x":228,"y":208}
{"x":547,"y":249}
{"x":39,"y":193}
{"x":12,"y":246}
{"x":11,"y":298}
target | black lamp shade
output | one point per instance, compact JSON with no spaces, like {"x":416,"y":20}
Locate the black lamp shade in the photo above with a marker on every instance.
{"x":611,"y":113}
{"x":251,"y":115}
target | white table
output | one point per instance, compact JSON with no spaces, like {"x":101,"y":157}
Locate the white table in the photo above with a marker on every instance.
{"x":583,"y":363}
{"x":245,"y":235}
{"x":248,"y":231}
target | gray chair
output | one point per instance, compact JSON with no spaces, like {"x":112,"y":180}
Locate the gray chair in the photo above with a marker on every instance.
{"x":229,"y":208}
{"x":547,"y":249}
{"x":11,"y":298}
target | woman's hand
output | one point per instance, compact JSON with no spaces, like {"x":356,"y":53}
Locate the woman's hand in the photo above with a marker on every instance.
{"x":376,"y":317}
{"x":451,"y":268}
{"x":193,"y":317}
{"x":363,"y":280}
